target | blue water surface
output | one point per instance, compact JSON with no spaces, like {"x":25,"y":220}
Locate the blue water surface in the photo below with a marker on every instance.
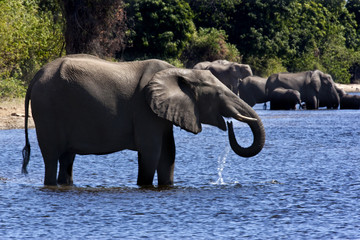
{"x":305,"y":184}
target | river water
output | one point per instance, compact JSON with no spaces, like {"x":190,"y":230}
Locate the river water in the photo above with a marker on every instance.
{"x":305,"y":184}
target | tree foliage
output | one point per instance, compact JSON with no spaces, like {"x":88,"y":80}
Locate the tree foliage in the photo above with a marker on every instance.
{"x":209,"y":44}
{"x":158,"y":28}
{"x":271,"y":36}
{"x":28,"y":39}
{"x":217,"y":14}
{"x":95,"y":27}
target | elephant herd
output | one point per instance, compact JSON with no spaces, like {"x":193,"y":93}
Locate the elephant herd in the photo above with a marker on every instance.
{"x":82,"y":104}
{"x":284,"y":91}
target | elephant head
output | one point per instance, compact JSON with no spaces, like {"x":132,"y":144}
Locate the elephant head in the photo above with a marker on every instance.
{"x":327,"y":94}
{"x":243,"y":70}
{"x":189,"y":98}
{"x":229,"y":73}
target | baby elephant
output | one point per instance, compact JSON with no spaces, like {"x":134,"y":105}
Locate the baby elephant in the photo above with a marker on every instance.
{"x":348,"y":101}
{"x":284,"y":99}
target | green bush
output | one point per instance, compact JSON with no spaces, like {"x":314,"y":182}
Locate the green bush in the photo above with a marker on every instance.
{"x":304,"y":62}
{"x":209,"y":44}
{"x":338,"y":60}
{"x":29,"y":38}
{"x":158,"y":28}
{"x":12,"y":88}
{"x":265,"y":66}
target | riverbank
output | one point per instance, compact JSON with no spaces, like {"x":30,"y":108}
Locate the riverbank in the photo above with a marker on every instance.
{"x":12,"y":112}
{"x":349,"y":87}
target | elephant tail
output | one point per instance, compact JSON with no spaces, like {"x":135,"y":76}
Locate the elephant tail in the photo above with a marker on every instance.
{"x":26,"y":149}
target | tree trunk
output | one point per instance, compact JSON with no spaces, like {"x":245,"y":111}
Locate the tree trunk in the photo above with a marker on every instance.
{"x":94,"y":27}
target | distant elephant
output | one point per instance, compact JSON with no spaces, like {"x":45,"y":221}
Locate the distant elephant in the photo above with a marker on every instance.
{"x":284,"y":99}
{"x":84,"y":105}
{"x":349,"y":101}
{"x":316,"y":88}
{"x":202,"y":65}
{"x":340,"y":91}
{"x":252,"y":90}
{"x":222,"y":61}
{"x":227,"y":72}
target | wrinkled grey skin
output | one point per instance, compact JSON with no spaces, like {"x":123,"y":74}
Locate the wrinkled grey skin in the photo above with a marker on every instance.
{"x":229,"y":73}
{"x":348,"y":101}
{"x":284,"y":99}
{"x":202,"y":65}
{"x":316,"y":88}
{"x":252,"y":90}
{"x":85,"y":105}
{"x":340,"y":91}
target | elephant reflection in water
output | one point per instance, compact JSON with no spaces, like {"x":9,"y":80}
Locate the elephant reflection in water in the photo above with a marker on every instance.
{"x":85,"y":105}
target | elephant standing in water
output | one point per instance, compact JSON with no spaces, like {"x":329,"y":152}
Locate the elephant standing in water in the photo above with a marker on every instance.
{"x":84,"y":105}
{"x":252,"y":90}
{"x":348,"y":101}
{"x":229,"y":73}
{"x":316,"y":88}
{"x":284,"y":99}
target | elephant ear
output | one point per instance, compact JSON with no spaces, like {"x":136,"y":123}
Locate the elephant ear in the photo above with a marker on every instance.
{"x":170,"y":95}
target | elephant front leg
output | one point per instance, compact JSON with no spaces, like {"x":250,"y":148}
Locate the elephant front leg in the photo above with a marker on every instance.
{"x":312,"y":103}
{"x":165,"y":170}
{"x":147,"y":167}
{"x":156,"y":151}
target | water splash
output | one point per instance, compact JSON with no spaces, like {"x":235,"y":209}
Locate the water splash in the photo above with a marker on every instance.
{"x":221,"y":165}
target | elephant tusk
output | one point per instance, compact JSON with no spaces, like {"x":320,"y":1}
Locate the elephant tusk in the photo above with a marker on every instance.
{"x":242,"y":118}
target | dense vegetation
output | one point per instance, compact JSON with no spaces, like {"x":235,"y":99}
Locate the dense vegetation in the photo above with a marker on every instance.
{"x":271,"y":36}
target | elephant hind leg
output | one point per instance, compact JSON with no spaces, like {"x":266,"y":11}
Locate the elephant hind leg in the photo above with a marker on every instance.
{"x":51,"y":151}
{"x":66,"y":169}
{"x":51,"y":162}
{"x":165,"y":169}
{"x":51,"y":158}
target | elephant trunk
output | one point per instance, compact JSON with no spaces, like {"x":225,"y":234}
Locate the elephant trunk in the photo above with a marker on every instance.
{"x":258,"y":131}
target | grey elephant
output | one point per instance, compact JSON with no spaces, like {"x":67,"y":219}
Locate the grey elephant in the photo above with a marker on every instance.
{"x":348,"y":101}
{"x":284,"y":99}
{"x":202,"y":65}
{"x":252,"y":90}
{"x":84,"y":105}
{"x":229,"y":73}
{"x":316,"y":88}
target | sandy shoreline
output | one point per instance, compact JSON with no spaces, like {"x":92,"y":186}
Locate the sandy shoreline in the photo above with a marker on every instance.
{"x":349,"y":87}
{"x":12,"y":112}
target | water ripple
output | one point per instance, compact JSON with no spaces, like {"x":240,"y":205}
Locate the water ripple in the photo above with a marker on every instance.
{"x":304,"y":184}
